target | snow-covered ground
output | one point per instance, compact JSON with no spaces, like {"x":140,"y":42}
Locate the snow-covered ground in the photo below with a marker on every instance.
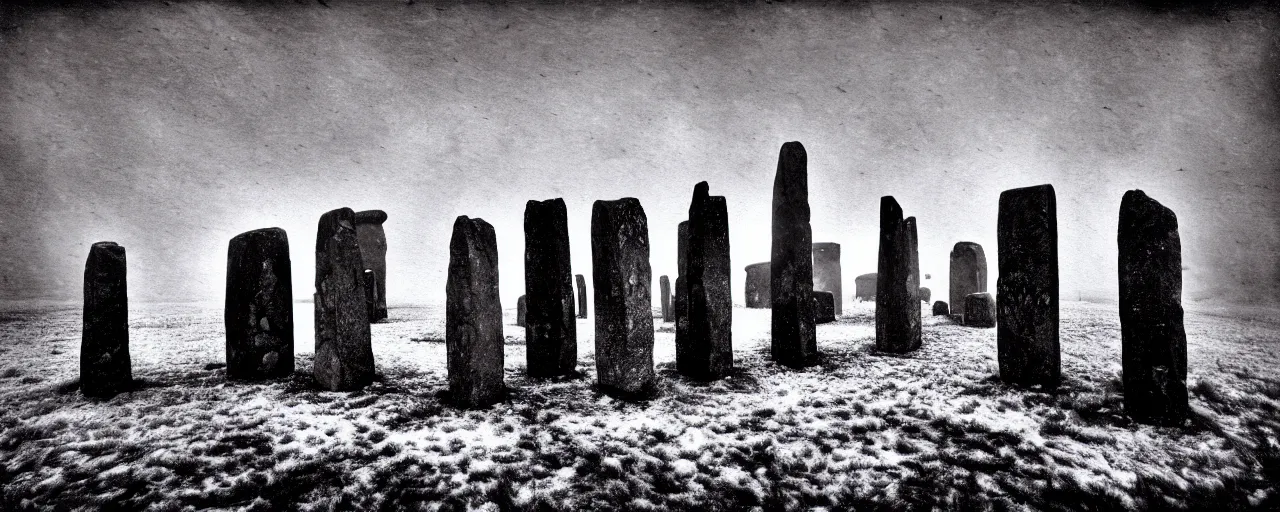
{"x":861,"y":430}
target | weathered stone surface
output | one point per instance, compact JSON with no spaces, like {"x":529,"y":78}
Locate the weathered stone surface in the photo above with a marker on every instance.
{"x":709,"y":355}
{"x":824,"y":307}
{"x":105,"y":367}
{"x":373,"y":251}
{"x":371,"y":294}
{"x":864,"y":287}
{"x":897,"y":281}
{"x":582,"y":295}
{"x":940,"y":309}
{"x":757,"y":285}
{"x":1027,"y":287}
{"x":1153,"y":339}
{"x":968,"y":274}
{"x":623,"y":300}
{"x":826,"y":272}
{"x":473,"y":315}
{"x":522,"y":310}
{"x":551,"y":333}
{"x":925,"y":294}
{"x":681,"y":301}
{"x":664,"y":288}
{"x":258,"y":312}
{"x":793,"y":342}
{"x":344,"y":350}
{"x":980,"y":310}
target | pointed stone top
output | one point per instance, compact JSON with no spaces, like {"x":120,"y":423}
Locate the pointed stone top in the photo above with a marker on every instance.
{"x":371,"y":217}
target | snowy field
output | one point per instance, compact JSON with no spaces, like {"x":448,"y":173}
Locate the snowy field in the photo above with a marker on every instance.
{"x":862,"y":430}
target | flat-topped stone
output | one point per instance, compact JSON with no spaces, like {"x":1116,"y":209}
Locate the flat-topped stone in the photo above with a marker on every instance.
{"x":373,"y":252}
{"x":623,"y":300}
{"x":258,"y":309}
{"x":551,"y":333}
{"x":344,"y":350}
{"x":1027,"y":287}
{"x":757,"y":285}
{"x":105,"y":366}
{"x":865,"y":287}
{"x":968,"y":274}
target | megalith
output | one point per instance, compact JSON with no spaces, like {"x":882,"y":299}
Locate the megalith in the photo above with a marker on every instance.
{"x":824,"y":307}
{"x":681,"y":300}
{"x":897,"y":281}
{"x":925,"y":294}
{"x":864,"y":287}
{"x":826,"y":272}
{"x":940,"y":309}
{"x":551,"y":333}
{"x":344,"y":349}
{"x":757,"y":285}
{"x":968,"y":275}
{"x":373,"y":251}
{"x":473,"y":315}
{"x":1027,"y":287}
{"x":623,"y":301}
{"x":582,"y":295}
{"x":709,"y":352}
{"x":258,"y":309}
{"x":664,"y":289}
{"x":792,"y":338}
{"x":522,"y":310}
{"x":980,"y":310}
{"x":105,"y":367}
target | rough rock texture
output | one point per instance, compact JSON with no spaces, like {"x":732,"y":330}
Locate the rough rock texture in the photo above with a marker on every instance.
{"x":371,"y":295}
{"x":681,"y":300}
{"x":1027,"y":287}
{"x":582,"y":295}
{"x":925,"y":294}
{"x":709,"y":352}
{"x":793,"y":342}
{"x":980,"y":310}
{"x":824,"y":307}
{"x":344,"y":350}
{"x":757,"y":285}
{"x":623,"y":300}
{"x":373,"y":251}
{"x":968,"y":274}
{"x":551,"y":333}
{"x":473,"y":315}
{"x":864,"y":286}
{"x":826,"y":272}
{"x":258,"y":311}
{"x":522,"y":311}
{"x":897,"y":281}
{"x":940,"y":309}
{"x":105,"y":367}
{"x":1153,"y":339}
{"x":664,"y":288}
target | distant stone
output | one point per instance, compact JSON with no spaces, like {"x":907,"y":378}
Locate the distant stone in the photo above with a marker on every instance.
{"x":258,"y":310}
{"x":826,"y":272}
{"x":551,"y":333}
{"x":865,"y":287}
{"x":897,"y":282}
{"x":980,"y":310}
{"x":623,"y":300}
{"x":709,"y":352}
{"x":105,"y":367}
{"x":344,"y":349}
{"x":940,"y":309}
{"x":473,"y":315}
{"x":1027,"y":287}
{"x":1153,"y":339}
{"x":792,"y":338}
{"x":928,"y":276}
{"x":582,"y":295}
{"x":757,"y":285}
{"x":664,"y":288}
{"x":373,"y":251}
{"x":925,"y":294}
{"x":824,"y":307}
{"x":522,"y":310}
{"x":968,"y":274}
{"x":681,"y":300}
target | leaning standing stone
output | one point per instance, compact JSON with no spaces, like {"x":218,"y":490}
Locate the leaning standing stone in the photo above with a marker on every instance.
{"x":793,"y":342}
{"x":865,"y":287}
{"x":344,"y":351}
{"x":105,"y":367}
{"x":473,"y":315}
{"x":968,"y":275}
{"x":826,"y":272}
{"x":623,"y":301}
{"x":522,"y":311}
{"x":824,"y":307}
{"x":664,"y":288}
{"x":897,"y":282}
{"x":1027,"y":287}
{"x":551,"y":333}
{"x":709,"y":352}
{"x":258,"y":313}
{"x":757,"y":285}
{"x":373,"y":251}
{"x":1153,"y":340}
{"x":980,"y":310}
{"x":582,"y":295}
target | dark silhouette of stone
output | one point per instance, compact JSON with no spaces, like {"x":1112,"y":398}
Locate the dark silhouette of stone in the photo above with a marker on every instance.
{"x":968,"y":275}
{"x":1027,"y":287}
{"x":864,"y":287}
{"x":258,"y":311}
{"x":371,"y":295}
{"x":925,"y":294}
{"x":623,"y":300}
{"x":897,"y":281}
{"x":105,"y":367}
{"x":344,"y":349}
{"x":709,"y":352}
{"x":522,"y":310}
{"x":473,"y":315}
{"x":826,"y":272}
{"x":757,"y":285}
{"x":1153,"y":339}
{"x":793,"y":342}
{"x":664,"y":287}
{"x":681,"y":300}
{"x":824,"y":307}
{"x":373,"y":251}
{"x":980,"y":310}
{"x":940,"y":309}
{"x":551,"y":333}
{"x":582,"y":295}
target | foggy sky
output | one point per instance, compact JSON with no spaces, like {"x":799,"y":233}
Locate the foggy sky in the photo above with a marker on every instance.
{"x":170,"y":129}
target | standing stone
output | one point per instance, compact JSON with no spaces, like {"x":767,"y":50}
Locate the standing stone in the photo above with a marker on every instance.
{"x":522,"y":310}
{"x":897,"y":281}
{"x":864,"y":287}
{"x":473,"y":315}
{"x":105,"y":367}
{"x":371,"y":294}
{"x":826,"y":272}
{"x":258,"y":313}
{"x":551,"y":333}
{"x":623,"y":301}
{"x":940,"y":309}
{"x":757,"y":285}
{"x":709,"y":352}
{"x":681,"y":301}
{"x":664,"y":287}
{"x":925,"y":294}
{"x":344,"y":350}
{"x":373,"y":251}
{"x":1027,"y":287}
{"x":824,"y":307}
{"x":968,"y":275}
{"x":1153,"y":340}
{"x":980,"y":310}
{"x":582,"y":295}
{"x":793,"y":342}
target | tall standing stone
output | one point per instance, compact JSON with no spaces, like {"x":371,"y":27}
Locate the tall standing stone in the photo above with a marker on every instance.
{"x":344,"y":350}
{"x":623,"y":300}
{"x":681,"y":301}
{"x":864,"y":287}
{"x":522,"y":310}
{"x":664,"y":288}
{"x":582,"y":295}
{"x":105,"y":367}
{"x":968,"y":274}
{"x":826,"y":272}
{"x":709,"y":352}
{"x":897,"y":281}
{"x":757,"y":285}
{"x":551,"y":333}
{"x":373,"y":251}
{"x":1027,"y":287}
{"x":258,"y":312}
{"x":473,"y":315}
{"x":793,"y":342}
{"x":1153,"y":339}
